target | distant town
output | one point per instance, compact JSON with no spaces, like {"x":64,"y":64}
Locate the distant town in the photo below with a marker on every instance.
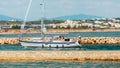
{"x":98,"y":23}
{"x":94,"y":23}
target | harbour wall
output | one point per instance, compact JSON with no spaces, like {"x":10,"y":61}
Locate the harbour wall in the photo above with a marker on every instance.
{"x":60,"y":55}
{"x":83,"y":40}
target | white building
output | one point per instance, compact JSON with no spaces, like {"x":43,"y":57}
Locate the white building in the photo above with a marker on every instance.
{"x":98,"y":22}
{"x":117,"y":25}
{"x":87,"y":24}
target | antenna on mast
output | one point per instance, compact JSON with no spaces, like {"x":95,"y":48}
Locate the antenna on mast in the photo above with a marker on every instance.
{"x":43,"y":8}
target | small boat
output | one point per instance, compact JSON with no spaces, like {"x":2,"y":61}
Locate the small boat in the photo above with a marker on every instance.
{"x":53,"y":42}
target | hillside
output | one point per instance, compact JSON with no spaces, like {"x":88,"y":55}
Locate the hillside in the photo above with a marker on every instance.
{"x":76,"y":17}
{"x":7,"y":18}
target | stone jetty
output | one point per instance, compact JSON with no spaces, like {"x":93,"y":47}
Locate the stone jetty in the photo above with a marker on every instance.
{"x":83,"y":40}
{"x":60,"y":55}
{"x":9,"y":41}
{"x":100,"y":40}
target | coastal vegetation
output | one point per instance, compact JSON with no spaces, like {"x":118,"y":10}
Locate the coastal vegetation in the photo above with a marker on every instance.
{"x":31,"y":22}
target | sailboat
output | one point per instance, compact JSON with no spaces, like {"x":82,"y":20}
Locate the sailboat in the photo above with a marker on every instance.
{"x":47,"y":42}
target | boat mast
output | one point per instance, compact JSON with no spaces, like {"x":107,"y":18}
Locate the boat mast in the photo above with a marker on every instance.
{"x":43,"y":29}
{"x":26,"y":15}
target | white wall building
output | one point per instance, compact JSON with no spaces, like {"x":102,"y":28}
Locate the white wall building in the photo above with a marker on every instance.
{"x":98,"y":22}
{"x":87,"y":24}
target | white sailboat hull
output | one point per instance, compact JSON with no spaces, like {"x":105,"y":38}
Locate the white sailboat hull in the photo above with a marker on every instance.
{"x":50,"y":44}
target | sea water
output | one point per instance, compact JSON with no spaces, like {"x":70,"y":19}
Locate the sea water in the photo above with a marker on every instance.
{"x":64,"y":64}
{"x":60,"y":64}
{"x":70,"y":34}
{"x":8,"y":47}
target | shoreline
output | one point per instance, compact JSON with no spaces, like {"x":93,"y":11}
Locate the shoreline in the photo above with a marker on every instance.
{"x":82,"y":30}
{"x":17,"y":31}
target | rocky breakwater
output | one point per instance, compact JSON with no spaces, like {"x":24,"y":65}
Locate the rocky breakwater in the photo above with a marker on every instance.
{"x":99,"y":40}
{"x":83,"y":40}
{"x":9,"y":41}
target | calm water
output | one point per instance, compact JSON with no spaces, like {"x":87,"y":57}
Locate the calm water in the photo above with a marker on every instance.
{"x":71,"y":34}
{"x":64,"y":64}
{"x":61,"y":64}
{"x":84,"y":47}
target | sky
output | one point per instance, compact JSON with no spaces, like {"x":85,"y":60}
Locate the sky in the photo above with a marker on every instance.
{"x":56,"y":8}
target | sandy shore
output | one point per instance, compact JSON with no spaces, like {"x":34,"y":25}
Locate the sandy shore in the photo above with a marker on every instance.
{"x":82,"y":30}
{"x":60,"y":55}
